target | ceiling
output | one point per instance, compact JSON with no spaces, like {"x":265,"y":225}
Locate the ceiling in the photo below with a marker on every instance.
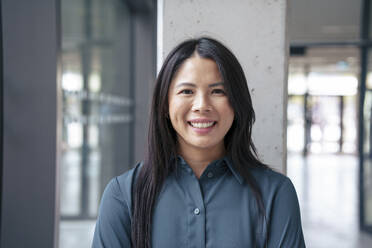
{"x":313,"y":21}
{"x":324,"y":20}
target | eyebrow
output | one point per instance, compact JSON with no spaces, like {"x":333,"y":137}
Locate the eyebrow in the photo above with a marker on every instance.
{"x":193,"y":85}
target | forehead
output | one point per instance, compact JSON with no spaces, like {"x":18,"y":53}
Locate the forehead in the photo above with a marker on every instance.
{"x":197,"y":69}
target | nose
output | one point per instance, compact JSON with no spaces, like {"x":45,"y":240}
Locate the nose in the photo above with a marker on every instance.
{"x":201,"y":103}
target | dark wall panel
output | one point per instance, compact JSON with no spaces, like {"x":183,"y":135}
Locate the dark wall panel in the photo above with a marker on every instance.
{"x":29,"y":160}
{"x":144,"y":36}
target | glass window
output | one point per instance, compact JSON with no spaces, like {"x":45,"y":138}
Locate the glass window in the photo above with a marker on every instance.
{"x":326,"y":80}
{"x":369,"y":73}
{"x":97,"y":110}
{"x":349,"y":125}
{"x":367,"y":121}
{"x":296,"y":124}
{"x":367,"y":148}
{"x":297,"y":79}
{"x":367,"y":162}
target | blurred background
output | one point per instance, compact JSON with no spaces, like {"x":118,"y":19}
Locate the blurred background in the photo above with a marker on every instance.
{"x":329,"y":120}
{"x":104,"y":86}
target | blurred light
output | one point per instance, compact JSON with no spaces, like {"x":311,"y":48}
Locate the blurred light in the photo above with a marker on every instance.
{"x":348,"y":147}
{"x":75,"y":134}
{"x":295,"y":138}
{"x":72,"y":81}
{"x":315,"y":147}
{"x":297,"y":84}
{"x":328,"y":84}
{"x":369,"y":80}
{"x":330,"y":147}
{"x":95,"y":82}
{"x":93,"y":135}
{"x":316,"y":133}
{"x":332,"y":133}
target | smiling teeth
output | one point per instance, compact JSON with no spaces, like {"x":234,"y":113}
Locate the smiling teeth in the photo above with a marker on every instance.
{"x":201,"y":124}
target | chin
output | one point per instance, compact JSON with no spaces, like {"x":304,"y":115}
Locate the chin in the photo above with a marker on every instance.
{"x":204,"y":145}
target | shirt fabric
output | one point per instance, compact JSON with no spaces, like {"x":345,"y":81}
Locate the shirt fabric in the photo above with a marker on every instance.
{"x":218,"y":210}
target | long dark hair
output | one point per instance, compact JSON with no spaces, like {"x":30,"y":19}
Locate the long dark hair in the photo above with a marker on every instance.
{"x":162,"y":138}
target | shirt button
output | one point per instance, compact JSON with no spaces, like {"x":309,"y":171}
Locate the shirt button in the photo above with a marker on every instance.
{"x":210,"y":174}
{"x":196,"y":211}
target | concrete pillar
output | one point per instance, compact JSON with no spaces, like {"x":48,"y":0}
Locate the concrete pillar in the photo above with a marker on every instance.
{"x":256,"y":33}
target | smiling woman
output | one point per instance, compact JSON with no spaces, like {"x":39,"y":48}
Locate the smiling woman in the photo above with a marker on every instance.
{"x":201,"y":184}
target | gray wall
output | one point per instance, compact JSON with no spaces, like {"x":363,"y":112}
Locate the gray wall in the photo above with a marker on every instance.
{"x":256,"y":33}
{"x":28,"y":211}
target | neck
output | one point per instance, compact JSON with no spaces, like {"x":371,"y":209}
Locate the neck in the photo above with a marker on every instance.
{"x":198,"y":159}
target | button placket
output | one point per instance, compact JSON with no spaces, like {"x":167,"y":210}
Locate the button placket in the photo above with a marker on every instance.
{"x":196,"y":220}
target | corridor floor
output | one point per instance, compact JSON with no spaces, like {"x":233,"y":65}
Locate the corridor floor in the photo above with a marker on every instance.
{"x":327,"y":188}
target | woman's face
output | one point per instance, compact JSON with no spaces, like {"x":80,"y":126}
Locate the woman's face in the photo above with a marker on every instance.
{"x":199,"y":108}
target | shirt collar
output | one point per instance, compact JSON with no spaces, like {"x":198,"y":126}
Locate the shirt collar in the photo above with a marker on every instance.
{"x":183,"y":164}
{"x":233,"y":170}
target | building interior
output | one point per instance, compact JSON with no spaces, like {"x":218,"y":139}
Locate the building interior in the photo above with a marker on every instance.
{"x":324,"y":90}
{"x":108,"y":57}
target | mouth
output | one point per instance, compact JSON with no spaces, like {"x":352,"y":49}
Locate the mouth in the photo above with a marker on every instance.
{"x":202,"y":125}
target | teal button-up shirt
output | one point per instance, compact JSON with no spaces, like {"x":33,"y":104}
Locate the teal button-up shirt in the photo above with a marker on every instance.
{"x":218,"y":210}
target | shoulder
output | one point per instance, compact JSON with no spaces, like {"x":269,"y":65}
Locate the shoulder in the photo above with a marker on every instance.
{"x":119,"y":189}
{"x":124,"y":183}
{"x":114,"y":215}
{"x":274,"y":184}
{"x":267,"y":177}
{"x":126,"y":180}
{"x":282,"y":208}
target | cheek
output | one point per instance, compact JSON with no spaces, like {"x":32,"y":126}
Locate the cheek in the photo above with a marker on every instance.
{"x":229,"y":118}
{"x":227,"y":112}
{"x":176,"y":111}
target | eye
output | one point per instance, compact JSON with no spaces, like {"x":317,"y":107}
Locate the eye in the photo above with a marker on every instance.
{"x":186,"y":92}
{"x":218,"y":91}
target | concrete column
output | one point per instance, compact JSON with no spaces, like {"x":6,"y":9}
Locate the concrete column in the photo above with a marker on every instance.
{"x":256,"y":33}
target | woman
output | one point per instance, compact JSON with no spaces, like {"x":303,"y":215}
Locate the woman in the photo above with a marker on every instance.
{"x":201,"y":184}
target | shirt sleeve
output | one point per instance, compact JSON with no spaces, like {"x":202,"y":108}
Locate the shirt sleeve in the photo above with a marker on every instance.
{"x":285,"y":221}
{"x":113,"y":222}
